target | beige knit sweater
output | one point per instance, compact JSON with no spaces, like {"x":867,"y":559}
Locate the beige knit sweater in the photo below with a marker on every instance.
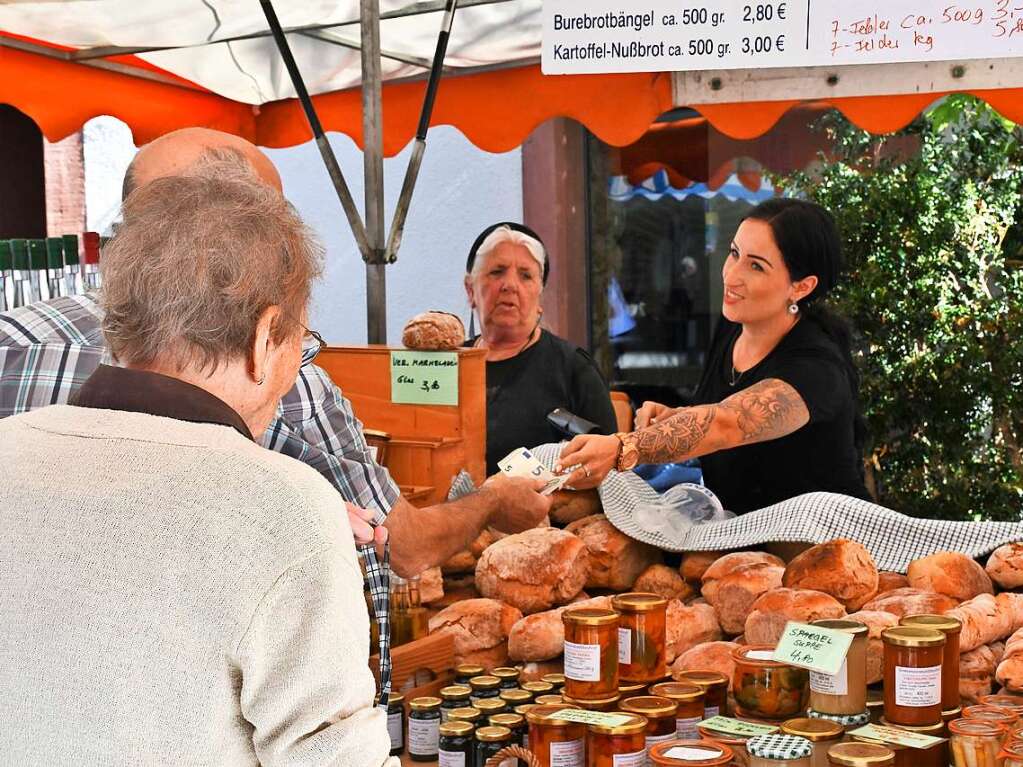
{"x":173,"y":594}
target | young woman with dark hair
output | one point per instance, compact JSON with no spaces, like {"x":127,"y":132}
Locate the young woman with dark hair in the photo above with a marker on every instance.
{"x":776,"y":413}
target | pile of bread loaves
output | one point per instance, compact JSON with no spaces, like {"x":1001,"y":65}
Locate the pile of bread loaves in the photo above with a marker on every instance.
{"x":502,"y":600}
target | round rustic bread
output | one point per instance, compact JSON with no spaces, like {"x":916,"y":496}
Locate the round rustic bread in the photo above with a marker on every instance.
{"x":541,"y":636}
{"x":977,"y":671}
{"x":689,"y":626}
{"x":431,"y":585}
{"x":891,"y":581}
{"x":985,"y":620}
{"x":842,"y":568}
{"x":569,"y":505}
{"x":479,"y":628}
{"x":1005,"y":566}
{"x":949,"y":573}
{"x":433,"y":331}
{"x":724,"y":565}
{"x":771,"y":611}
{"x":664,"y":581}
{"x":710,"y":656}
{"x":1010,"y":666}
{"x":737,"y":590}
{"x":910,"y":601}
{"x":616,"y":560}
{"x":695,"y":563}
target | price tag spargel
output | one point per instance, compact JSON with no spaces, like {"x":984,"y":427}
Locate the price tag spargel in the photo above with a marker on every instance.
{"x":813,"y":647}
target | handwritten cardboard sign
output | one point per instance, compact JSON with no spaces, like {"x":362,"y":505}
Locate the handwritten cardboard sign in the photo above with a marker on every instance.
{"x":896,"y":736}
{"x":424,"y":378}
{"x":728,"y":726}
{"x":591,"y":717}
{"x":813,"y":647}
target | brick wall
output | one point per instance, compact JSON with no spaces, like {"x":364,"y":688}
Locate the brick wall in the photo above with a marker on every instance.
{"x":65,"y":185}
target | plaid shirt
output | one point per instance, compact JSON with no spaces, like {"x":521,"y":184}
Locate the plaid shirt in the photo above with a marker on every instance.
{"x":48,"y":349}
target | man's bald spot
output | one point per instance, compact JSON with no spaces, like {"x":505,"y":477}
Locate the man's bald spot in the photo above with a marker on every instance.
{"x":174,"y":153}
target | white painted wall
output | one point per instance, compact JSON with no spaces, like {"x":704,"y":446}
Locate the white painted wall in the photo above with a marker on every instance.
{"x":461,"y":190}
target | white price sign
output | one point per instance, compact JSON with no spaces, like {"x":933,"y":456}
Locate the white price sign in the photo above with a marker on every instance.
{"x":593,"y":36}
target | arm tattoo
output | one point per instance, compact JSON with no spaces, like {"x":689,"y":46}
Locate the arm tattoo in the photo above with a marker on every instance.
{"x":677,"y":437}
{"x":767,"y":410}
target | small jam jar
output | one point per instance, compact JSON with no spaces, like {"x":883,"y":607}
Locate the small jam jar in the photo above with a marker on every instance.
{"x":622,"y":744}
{"x":935,"y":756}
{"x":484,"y":687}
{"x":467,"y":671}
{"x":691,"y":753}
{"x":821,"y":733}
{"x":515,"y":697}
{"x":974,"y":742}
{"x":396,"y":722}
{"x":642,"y":635}
{"x":537,"y":688}
{"x":1008,"y":701}
{"x":631,"y":689}
{"x":609,"y":703}
{"x":514,"y":722}
{"x":455,"y":748}
{"x":591,"y":653}
{"x":690,"y":702}
{"x":509,"y":677}
{"x":490,"y":706}
{"x":660,"y":717}
{"x":766,"y":689}
{"x":951,"y":628}
{"x":467,"y":714}
{"x":455,"y":696}
{"x":556,"y":741}
{"x":558,"y":680}
{"x":549,"y":700}
{"x":779,"y":751}
{"x":715,"y":687}
{"x":490,"y":740}
{"x":844,"y":692}
{"x":861,"y":755}
{"x":424,"y":729}
{"x":912,"y":675}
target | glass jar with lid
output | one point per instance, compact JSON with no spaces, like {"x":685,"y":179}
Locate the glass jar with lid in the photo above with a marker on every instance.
{"x":935,"y":756}
{"x":484,"y":686}
{"x":715,"y":689}
{"x":549,"y":700}
{"x":642,"y":636}
{"x":690,"y":753}
{"x":516,"y":697}
{"x":766,"y":689}
{"x":779,"y":751}
{"x":1003,"y":716}
{"x":1013,"y":703}
{"x":514,"y":722}
{"x":850,"y":722}
{"x":508,"y":675}
{"x":631,"y":689}
{"x":537,"y":688}
{"x":556,"y":741}
{"x":591,"y":653}
{"x":875,"y":704}
{"x":974,"y":742}
{"x":424,"y":729}
{"x":396,"y":722}
{"x":689,"y":700}
{"x":468,"y":714}
{"x":609,"y":703}
{"x":467,"y":671}
{"x":912,"y":675}
{"x":844,"y":692}
{"x":1012,"y":753}
{"x":557,"y":680}
{"x":490,"y":706}
{"x":490,"y":740}
{"x":821,"y":733}
{"x":452,"y":697}
{"x":951,"y":628}
{"x":854,"y":754}
{"x":455,"y":748}
{"x":660,"y":717}
{"x":618,"y":744}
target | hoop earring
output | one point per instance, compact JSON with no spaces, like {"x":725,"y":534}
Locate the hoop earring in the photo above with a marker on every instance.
{"x":262,"y":380}
{"x":793,"y":308}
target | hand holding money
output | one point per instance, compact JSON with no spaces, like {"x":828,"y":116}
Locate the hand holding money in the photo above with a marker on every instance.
{"x":522,"y":463}
{"x":518,"y":503}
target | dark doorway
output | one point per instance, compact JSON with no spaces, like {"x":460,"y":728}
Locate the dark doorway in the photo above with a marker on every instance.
{"x":22,"y":179}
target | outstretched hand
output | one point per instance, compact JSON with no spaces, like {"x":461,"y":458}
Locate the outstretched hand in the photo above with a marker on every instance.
{"x":590,"y":457}
{"x":651,"y":412}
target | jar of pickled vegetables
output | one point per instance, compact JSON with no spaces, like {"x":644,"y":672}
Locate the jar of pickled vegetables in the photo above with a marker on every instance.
{"x":452,"y":697}
{"x":537,"y":688}
{"x":642,"y":635}
{"x":467,"y":671}
{"x":690,"y":702}
{"x":847,"y":722}
{"x":912,"y":675}
{"x":1012,"y":753}
{"x":622,"y":744}
{"x":396,"y":722}
{"x":854,"y":754}
{"x":951,"y":628}
{"x":659,"y":713}
{"x":779,"y":751}
{"x":1002,"y":716}
{"x":490,"y":706}
{"x":490,"y":740}
{"x":509,"y":677}
{"x":1013,"y":703}
{"x":455,"y":748}
{"x":1015,"y":732}
{"x":766,"y":689}
{"x":715,"y":689}
{"x":591,"y":653}
{"x":935,"y":756}
{"x":557,"y":680}
{"x":821,"y":733}
{"x":610,"y":703}
{"x":515,"y":697}
{"x":975,"y":743}
{"x":555,"y":741}
{"x":468,"y":714}
{"x":690,"y":753}
{"x":424,"y":729}
{"x":735,"y":742}
{"x":846,"y":691}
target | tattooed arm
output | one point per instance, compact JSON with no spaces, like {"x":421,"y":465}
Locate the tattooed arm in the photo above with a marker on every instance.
{"x":767,"y":410}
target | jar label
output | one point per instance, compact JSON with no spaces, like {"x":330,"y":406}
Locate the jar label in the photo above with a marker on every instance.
{"x":525,"y":740}
{"x":687,"y":728}
{"x":568,"y":753}
{"x":445,"y":715}
{"x":423,"y":736}
{"x":394,"y":722}
{"x":917,"y":687}
{"x":635,"y":759}
{"x":709,"y":711}
{"x":625,"y":646}
{"x":451,"y":758}
{"x":690,"y":754}
{"x":826,"y":684}
{"x":582,"y":662}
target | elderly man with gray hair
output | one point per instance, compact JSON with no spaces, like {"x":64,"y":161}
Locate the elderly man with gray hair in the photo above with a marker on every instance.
{"x":172,"y":592}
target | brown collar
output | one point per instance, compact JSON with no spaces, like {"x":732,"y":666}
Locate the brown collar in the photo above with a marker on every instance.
{"x":140,"y":391}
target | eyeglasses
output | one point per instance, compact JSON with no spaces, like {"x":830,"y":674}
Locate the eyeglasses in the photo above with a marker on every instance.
{"x":312,"y":344}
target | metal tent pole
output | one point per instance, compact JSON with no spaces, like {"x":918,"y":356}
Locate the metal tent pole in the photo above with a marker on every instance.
{"x":373,"y":169}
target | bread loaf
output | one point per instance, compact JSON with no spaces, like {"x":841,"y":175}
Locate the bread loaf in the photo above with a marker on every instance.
{"x":1005,"y":566}
{"x":695,"y":563}
{"x":1010,"y":670}
{"x":984,"y":621}
{"x":876,"y":622}
{"x":541,"y":636}
{"x":771,"y":611}
{"x":462,"y":562}
{"x":433,"y":331}
{"x":842,"y":568}
{"x":891,"y":581}
{"x":910,"y":601}
{"x":977,"y":672}
{"x":567,"y":506}
{"x":949,"y":573}
{"x":724,"y":565}
{"x":1011,"y":603}
{"x":479,"y":628}
{"x":534,"y":570}
{"x":710,"y":656}
{"x":616,"y":560}
{"x":736,"y":591}
{"x":665,"y":581}
{"x":431,"y":586}
{"x":689,"y":626}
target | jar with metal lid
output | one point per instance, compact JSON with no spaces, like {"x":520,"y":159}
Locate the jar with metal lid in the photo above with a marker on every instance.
{"x":621,"y":744}
{"x":509,"y":676}
{"x":766,"y":689}
{"x":591,"y":653}
{"x":912,"y":675}
{"x":631,"y":689}
{"x":556,"y":741}
{"x":735,"y":742}
{"x":875,"y":703}
{"x":490,"y":706}
{"x":975,"y":743}
{"x":948,"y":716}
{"x":452,"y":697}
{"x":951,"y":628}
{"x":715,"y":688}
{"x":779,"y":751}
{"x":490,"y":740}
{"x":821,"y":733}
{"x":642,"y":636}
{"x":850,"y":722}
{"x":660,"y":717}
{"x":516,"y":697}
{"x":467,"y":671}
{"x":396,"y":722}
{"x":689,"y":700}
{"x":1003,"y":716}
{"x":609,"y":703}
{"x":549,"y":700}
{"x":1012,"y":753}
{"x":558,"y":680}
{"x":514,"y":722}
{"x":902,"y":753}
{"x":484,"y":687}
{"x":690,"y":753}
{"x":537,"y":688}
{"x":468,"y":714}
{"x":861,"y":755}
{"x":935,"y":756}
{"x":846,"y":691}
{"x":455,"y":748}
{"x":1013,"y":703}
{"x":523,"y":709}
{"x":424,"y":729}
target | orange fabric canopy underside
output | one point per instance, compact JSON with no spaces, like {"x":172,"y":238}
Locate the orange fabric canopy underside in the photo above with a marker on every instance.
{"x":495,"y":110}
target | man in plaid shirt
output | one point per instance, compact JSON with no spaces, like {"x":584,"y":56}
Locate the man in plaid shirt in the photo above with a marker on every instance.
{"x":48,"y":349}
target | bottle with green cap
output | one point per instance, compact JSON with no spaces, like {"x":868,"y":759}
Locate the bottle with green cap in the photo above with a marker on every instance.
{"x":55,"y":266}
{"x":20,"y":271}
{"x":72,"y":266}
{"x":6,"y":278}
{"x":37,"y":268}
